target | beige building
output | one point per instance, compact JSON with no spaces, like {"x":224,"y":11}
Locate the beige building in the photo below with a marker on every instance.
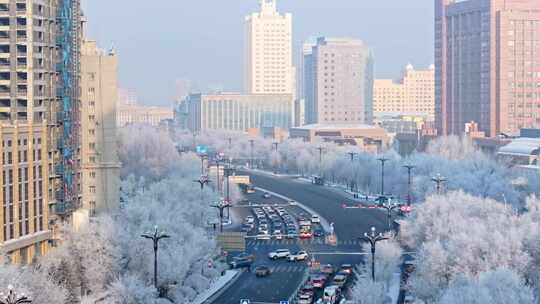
{"x":414,"y":93}
{"x":238,"y":112}
{"x":137,"y":114}
{"x":368,"y":138}
{"x":100,"y":167}
{"x":268,"y":51}
{"x":338,"y":82}
{"x":28,"y":126}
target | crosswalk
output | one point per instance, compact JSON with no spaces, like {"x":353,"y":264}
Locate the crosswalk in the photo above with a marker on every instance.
{"x":288,"y":268}
{"x":254,"y":243}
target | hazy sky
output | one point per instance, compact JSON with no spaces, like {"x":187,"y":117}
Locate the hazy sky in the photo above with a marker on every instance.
{"x":160,"y":41}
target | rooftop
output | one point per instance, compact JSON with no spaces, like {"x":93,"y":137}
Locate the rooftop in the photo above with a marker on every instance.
{"x":336,"y":127}
{"x":522,"y":146}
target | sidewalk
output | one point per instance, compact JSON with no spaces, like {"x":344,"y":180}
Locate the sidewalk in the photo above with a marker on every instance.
{"x":220,"y":284}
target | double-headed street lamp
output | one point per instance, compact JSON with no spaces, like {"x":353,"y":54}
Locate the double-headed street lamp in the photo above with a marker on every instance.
{"x":389,"y":206}
{"x":252,"y":145}
{"x":373,"y":238}
{"x":13,"y":298}
{"x":439,"y":181}
{"x":221,"y":206}
{"x":409,"y":183}
{"x":155,"y":236}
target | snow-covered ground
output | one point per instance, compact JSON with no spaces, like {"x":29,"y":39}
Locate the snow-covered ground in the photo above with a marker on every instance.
{"x":218,"y":285}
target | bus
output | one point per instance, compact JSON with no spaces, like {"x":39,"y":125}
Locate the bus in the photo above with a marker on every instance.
{"x":305,"y":232}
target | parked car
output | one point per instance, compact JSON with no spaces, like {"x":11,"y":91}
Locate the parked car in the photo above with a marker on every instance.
{"x":278,"y":254}
{"x":299,"y":256}
{"x":262,"y":271}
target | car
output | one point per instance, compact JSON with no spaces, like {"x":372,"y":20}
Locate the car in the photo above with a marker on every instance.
{"x":262,"y":271}
{"x":307,"y":289}
{"x":266,"y":195}
{"x":278,"y":254}
{"x":245,"y":255}
{"x":250,"y":219}
{"x":241,"y":263}
{"x":304,"y":222}
{"x":346,"y":268}
{"x":318,"y":280}
{"x":277,"y":234}
{"x":305,"y":299}
{"x":331,"y":294}
{"x":318,"y":232}
{"x":327,"y":269}
{"x":315,"y":219}
{"x":299,"y":256}
{"x":339,"y":280}
{"x":263,"y":236}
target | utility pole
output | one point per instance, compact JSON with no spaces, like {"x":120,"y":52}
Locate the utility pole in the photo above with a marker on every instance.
{"x":409,"y":182}
{"x":383,"y":160}
{"x":155,"y":237}
{"x":439,"y":181}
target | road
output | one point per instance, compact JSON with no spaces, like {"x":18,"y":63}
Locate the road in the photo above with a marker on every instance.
{"x":349,"y":224}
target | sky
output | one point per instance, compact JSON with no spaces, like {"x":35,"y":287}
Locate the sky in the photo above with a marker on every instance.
{"x":161,"y":43}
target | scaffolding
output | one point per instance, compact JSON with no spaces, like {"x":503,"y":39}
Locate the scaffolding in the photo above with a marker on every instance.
{"x":68,"y":69}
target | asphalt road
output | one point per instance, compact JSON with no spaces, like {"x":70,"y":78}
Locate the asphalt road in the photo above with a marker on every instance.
{"x":349,"y":224}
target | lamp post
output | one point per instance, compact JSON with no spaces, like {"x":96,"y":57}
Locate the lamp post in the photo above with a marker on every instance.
{"x":251,"y":144}
{"x":373,"y":238}
{"x":352,"y":154}
{"x":439,"y":180}
{"x":275,"y":148}
{"x":12,"y":298}
{"x":389,"y":206}
{"x":383,"y":160}
{"x":321,"y":150}
{"x":221,"y":206}
{"x":202,"y":156}
{"x":409,"y":182}
{"x":156,"y":236}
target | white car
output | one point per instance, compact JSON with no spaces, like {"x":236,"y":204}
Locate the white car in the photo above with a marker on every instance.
{"x":250,"y":219}
{"x":315,"y":219}
{"x":278,"y":235}
{"x":263,"y":236}
{"x":299,"y":256}
{"x":278,"y":254}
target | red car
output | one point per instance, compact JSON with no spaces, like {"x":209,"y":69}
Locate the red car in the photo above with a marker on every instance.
{"x":318,"y":281}
{"x":307,"y":290}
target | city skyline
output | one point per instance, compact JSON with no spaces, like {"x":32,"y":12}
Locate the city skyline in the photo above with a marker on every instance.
{"x":179,"y":44}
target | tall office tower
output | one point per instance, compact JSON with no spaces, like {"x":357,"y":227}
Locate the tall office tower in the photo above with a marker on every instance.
{"x":268,"y":52}
{"x":341,"y":73}
{"x":487,"y":65}
{"x":28,"y":106}
{"x":100,"y":166}
{"x":412,"y":94}
{"x":307,"y":79}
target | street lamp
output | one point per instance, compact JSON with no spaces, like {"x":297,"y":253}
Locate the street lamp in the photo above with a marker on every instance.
{"x":439,"y":181}
{"x":275,"y":148}
{"x":202,"y":156}
{"x":321,"y":150}
{"x":251,"y":144}
{"x":13,"y":298}
{"x":373,"y":238}
{"x":228,"y":172}
{"x":409,"y":182}
{"x":383,"y":160}
{"x":221,"y":206}
{"x":156,"y":236}
{"x":352,"y":154}
{"x":389,"y":206}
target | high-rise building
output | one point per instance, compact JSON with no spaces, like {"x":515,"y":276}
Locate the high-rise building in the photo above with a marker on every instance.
{"x":139,"y":114}
{"x":338,"y":82}
{"x":487,"y":65}
{"x":32,"y":118}
{"x":268,"y":51}
{"x":414,"y":93}
{"x":100,"y":166}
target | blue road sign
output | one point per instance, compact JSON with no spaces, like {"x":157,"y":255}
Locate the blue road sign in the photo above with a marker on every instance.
{"x":202,"y":149}
{"x":245,"y":301}
{"x":283,"y":302}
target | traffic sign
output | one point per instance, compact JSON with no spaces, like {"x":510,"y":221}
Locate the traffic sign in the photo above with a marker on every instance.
{"x":283,"y":302}
{"x":202,"y":149}
{"x":245,"y":301}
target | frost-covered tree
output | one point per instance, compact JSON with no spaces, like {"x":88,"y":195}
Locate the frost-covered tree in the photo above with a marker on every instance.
{"x":32,"y":282}
{"x":367,"y":291}
{"x":493,"y":287}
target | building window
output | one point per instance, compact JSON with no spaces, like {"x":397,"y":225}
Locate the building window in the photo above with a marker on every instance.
{"x":92,"y":189}
{"x":92,"y":174}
